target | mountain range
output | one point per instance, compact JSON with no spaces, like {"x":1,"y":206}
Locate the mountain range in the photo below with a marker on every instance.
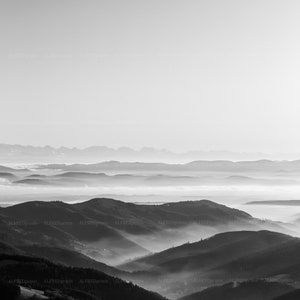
{"x":112,"y":231}
{"x":262,"y":166}
{"x":160,"y":247}
{"x":47,"y":154}
{"x":84,"y":179}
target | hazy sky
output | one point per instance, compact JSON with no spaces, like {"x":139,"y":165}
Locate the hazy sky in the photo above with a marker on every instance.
{"x":189,"y":74}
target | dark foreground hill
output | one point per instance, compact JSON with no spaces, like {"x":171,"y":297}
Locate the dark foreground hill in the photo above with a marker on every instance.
{"x":248,"y":290}
{"x":293,"y":295}
{"x":61,"y":256}
{"x":212,"y":252}
{"x":112,"y":231}
{"x":63,"y":225}
{"x":9,"y":291}
{"x":230,"y":256}
{"x":69,"y":257}
{"x":78,"y":283}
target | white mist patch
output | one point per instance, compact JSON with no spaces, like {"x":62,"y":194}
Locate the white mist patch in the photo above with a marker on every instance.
{"x":4,"y":181}
{"x":272,"y":212}
{"x":173,"y":237}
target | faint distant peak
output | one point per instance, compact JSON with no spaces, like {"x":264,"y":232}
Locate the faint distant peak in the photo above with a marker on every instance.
{"x":47,"y":154}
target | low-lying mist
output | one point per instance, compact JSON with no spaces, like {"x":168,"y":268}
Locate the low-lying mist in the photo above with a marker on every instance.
{"x":236,"y":196}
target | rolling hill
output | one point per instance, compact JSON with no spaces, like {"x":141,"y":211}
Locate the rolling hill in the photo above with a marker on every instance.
{"x":242,"y":255}
{"x":248,"y":290}
{"x":112,"y":231}
{"x":62,"y":225}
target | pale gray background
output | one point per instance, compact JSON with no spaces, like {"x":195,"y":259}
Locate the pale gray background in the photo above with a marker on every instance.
{"x":192,"y":74}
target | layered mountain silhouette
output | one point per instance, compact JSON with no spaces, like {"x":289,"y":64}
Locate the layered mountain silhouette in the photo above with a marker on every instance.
{"x":194,"y":166}
{"x":112,"y":231}
{"x":29,"y":154}
{"x":83,"y":179}
{"x":109,"y":174}
{"x":103,"y":232}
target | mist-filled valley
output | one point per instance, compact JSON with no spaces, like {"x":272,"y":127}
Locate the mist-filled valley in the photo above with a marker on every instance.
{"x":238,"y":184}
{"x":192,"y":231}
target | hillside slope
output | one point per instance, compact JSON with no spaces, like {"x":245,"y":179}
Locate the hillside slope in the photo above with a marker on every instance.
{"x":43,"y":275}
{"x":249,"y":290}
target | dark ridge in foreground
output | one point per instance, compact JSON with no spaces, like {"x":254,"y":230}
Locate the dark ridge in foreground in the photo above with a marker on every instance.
{"x":234,"y":256}
{"x":294,"y":295}
{"x":219,"y":249}
{"x":43,"y":275}
{"x":250,"y":290}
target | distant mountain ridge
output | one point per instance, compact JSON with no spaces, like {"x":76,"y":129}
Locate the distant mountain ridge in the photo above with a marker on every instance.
{"x":238,"y":167}
{"x":79,"y":178}
{"x":276,"y":202}
{"x":48,"y":154}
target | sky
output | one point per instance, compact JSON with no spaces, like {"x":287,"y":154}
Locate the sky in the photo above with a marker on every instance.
{"x":182,"y":75}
